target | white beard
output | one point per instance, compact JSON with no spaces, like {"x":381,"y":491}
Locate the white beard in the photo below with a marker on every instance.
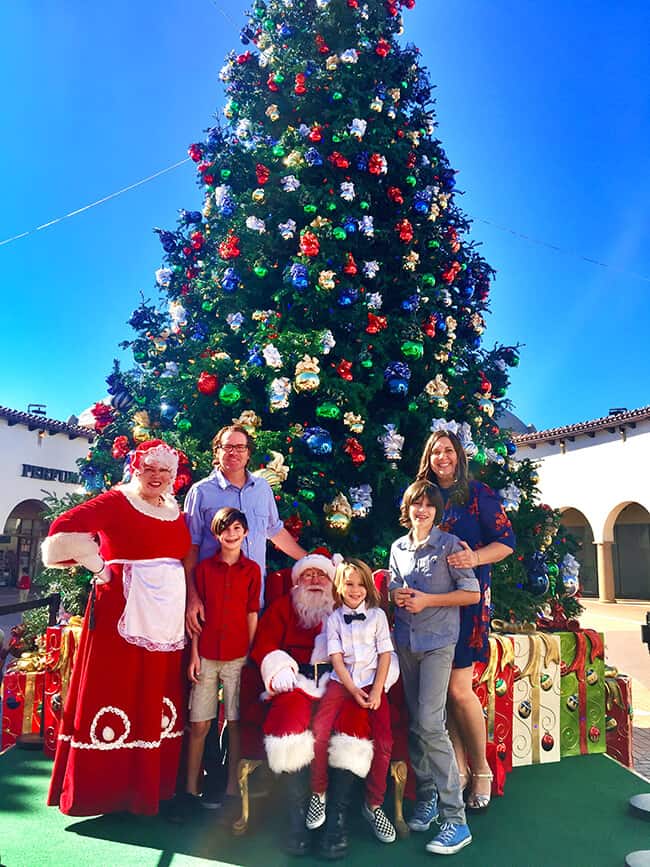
{"x":311,"y":608}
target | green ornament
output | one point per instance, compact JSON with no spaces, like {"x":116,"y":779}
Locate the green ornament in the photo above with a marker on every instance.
{"x":480,"y":457}
{"x":183,"y":424}
{"x":403,"y":84}
{"x":337,"y":95}
{"x":552,"y":569}
{"x":234,"y":105}
{"x":411,"y":180}
{"x":278,"y":77}
{"x":207,"y":306}
{"x":310,"y":209}
{"x":412,"y":349}
{"x":229,"y":393}
{"x":306,"y":494}
{"x":500,"y":449}
{"x":139,"y":356}
{"x":260,"y":271}
{"x":413,"y":407}
{"x":364,"y":205}
{"x":379,"y":554}
{"x":428,"y":280}
{"x":278,"y":151}
{"x":225,"y":174}
{"x":331,"y":206}
{"x":336,"y":138}
{"x":340,"y":234}
{"x":328,"y":410}
{"x":366,"y":362}
{"x":450,"y":372}
{"x":269,"y":26}
{"x":433,"y":244}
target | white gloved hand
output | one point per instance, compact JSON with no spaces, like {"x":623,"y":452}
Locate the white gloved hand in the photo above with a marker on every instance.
{"x":284,"y":680}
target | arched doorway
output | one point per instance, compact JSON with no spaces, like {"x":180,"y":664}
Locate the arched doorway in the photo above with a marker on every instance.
{"x":580,"y":528}
{"x":20,"y":543}
{"x":632,"y":553}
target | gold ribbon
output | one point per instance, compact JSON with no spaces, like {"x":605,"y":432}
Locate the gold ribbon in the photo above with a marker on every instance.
{"x":28,"y":710}
{"x":70,"y":636}
{"x":542,"y":652}
{"x":29,"y":662}
{"x":513,"y":628}
{"x":491,"y":670}
{"x":613,"y":693}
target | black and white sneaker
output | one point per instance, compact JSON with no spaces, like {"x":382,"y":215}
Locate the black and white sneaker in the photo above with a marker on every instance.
{"x":382,"y":827}
{"x":315,"y":812}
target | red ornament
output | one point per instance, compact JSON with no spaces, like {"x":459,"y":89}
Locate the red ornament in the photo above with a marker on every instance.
{"x":411,"y":160}
{"x":209,"y":179}
{"x":405,"y":231}
{"x":377,"y":164}
{"x":429,"y":326}
{"x":392,"y":8}
{"x":184,"y":474}
{"x":270,"y":81}
{"x":262,"y":173}
{"x":354,"y":448}
{"x":353,"y":4}
{"x":395,"y":195}
{"x":344,"y":370}
{"x":452,"y":237}
{"x":229,"y":249}
{"x":294,"y":524}
{"x":382,"y":48}
{"x":315,"y":133}
{"x":244,"y":58}
{"x":197,"y":240}
{"x":548,"y":742}
{"x":309,"y":245}
{"x":103,"y":416}
{"x":376,"y":323}
{"x":195,"y":152}
{"x":350,"y":266}
{"x":323,"y":47}
{"x":120,"y":447}
{"x":299,"y":86}
{"x":337,"y":159}
{"x":594,"y":734}
{"x":502,"y":751}
{"x":449,"y":275}
{"x":207,"y":383}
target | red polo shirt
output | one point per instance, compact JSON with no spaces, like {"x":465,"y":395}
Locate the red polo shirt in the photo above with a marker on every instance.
{"x":229,"y":593}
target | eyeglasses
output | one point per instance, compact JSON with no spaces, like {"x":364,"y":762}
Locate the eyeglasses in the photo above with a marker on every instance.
{"x":240,"y":449}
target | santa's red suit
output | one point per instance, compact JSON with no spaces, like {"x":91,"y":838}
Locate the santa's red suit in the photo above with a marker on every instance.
{"x":120,"y":736}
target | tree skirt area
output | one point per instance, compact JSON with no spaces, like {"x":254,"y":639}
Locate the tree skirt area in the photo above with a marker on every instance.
{"x":571,"y":813}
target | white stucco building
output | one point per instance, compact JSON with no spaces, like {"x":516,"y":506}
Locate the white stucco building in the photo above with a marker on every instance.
{"x":38,"y":456}
{"x":598,"y":474}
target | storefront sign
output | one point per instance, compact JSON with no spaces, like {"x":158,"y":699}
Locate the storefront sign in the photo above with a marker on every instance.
{"x":51,"y":475}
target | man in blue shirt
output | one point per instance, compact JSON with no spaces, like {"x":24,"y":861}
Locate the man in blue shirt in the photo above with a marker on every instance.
{"x":231,"y":484}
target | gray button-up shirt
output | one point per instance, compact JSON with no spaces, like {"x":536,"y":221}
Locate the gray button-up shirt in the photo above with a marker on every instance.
{"x":424,"y":567}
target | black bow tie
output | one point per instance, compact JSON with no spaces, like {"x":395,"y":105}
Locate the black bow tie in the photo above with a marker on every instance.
{"x":350,"y":617}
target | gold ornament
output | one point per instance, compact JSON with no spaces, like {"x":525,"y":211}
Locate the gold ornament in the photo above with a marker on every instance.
{"x":249,"y":420}
{"x":338,"y":514}
{"x":258,"y":195}
{"x":355,"y":422}
{"x":141,"y":426}
{"x":275,"y":471}
{"x":306,"y":374}
{"x":293,"y":159}
{"x":326,"y":279}
{"x":486,"y":406}
{"x":332,"y":62}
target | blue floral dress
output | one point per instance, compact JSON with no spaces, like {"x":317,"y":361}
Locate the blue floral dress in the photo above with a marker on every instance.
{"x":479,"y":522}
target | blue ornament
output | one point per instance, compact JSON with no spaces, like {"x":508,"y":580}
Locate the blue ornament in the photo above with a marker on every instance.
{"x":199,"y":332}
{"x":441,"y":324}
{"x":466,"y":291}
{"x":255,"y":357}
{"x":285,"y":31}
{"x":168,"y":410}
{"x":167,"y":239}
{"x":214,"y":137}
{"x":361,"y":161}
{"x":448,"y":179}
{"x":299,"y":276}
{"x":12,"y":702}
{"x":92,"y":478}
{"x":397,"y":386}
{"x":230,"y":280}
{"x":511,"y":448}
{"x":348,"y":296}
{"x":318,"y":441}
{"x":537,"y":572}
{"x":396,"y":377}
{"x":411,"y":303}
{"x":122,"y":401}
{"x":227,"y":206}
{"x":380,"y":91}
{"x":190,"y":217}
{"x":420,"y":206}
{"x":313,"y":157}
{"x":350,"y":225}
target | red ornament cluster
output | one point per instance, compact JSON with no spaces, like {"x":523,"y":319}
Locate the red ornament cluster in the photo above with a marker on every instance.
{"x":309,"y":245}
{"x":207,"y":383}
{"x":229,"y":249}
{"x":354,"y":448}
{"x":120,"y":447}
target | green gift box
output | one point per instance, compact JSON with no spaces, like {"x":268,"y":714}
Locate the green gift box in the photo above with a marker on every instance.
{"x":582,"y":707}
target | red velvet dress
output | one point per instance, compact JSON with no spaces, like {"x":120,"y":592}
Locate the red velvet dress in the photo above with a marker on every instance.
{"x":121,"y":732}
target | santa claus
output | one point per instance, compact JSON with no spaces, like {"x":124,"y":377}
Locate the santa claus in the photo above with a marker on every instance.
{"x":291,"y":650}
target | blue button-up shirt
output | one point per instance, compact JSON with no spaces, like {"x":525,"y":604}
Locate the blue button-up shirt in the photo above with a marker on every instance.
{"x":424,"y":567}
{"x":255,"y":499}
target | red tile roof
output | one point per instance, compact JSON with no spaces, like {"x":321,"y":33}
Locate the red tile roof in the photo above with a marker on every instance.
{"x":629,"y":418}
{"x":34,"y":421}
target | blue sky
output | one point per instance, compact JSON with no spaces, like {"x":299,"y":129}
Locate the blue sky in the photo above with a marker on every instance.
{"x":543,"y":108}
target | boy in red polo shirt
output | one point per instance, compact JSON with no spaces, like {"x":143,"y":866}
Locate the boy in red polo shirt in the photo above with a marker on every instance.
{"x":229,"y":586}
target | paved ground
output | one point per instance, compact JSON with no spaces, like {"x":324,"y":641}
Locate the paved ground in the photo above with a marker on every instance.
{"x":621,"y":623}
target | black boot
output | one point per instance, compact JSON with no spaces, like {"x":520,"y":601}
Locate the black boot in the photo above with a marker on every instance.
{"x":334,"y":843}
{"x":297,"y":842}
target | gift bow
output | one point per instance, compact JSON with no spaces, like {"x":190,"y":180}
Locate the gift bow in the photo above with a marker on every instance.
{"x":490,"y":673}
{"x":513,"y":628}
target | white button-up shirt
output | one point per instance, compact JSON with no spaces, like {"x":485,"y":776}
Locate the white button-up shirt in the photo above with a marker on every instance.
{"x":360,"y":641}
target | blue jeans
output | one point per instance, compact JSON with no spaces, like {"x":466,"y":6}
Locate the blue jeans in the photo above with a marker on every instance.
{"x":426,"y":679}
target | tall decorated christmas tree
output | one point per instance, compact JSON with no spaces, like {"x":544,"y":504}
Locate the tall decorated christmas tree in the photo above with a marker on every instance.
{"x":327,"y":296}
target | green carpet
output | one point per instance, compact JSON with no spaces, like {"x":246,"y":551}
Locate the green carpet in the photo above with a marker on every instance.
{"x":572,"y":813}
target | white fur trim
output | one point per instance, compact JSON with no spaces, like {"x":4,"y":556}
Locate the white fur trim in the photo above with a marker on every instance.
{"x":64,"y":549}
{"x":308,"y":685}
{"x":168,"y":511}
{"x":289,"y":753}
{"x":274,"y":662}
{"x":313,"y":561}
{"x":351,"y":754}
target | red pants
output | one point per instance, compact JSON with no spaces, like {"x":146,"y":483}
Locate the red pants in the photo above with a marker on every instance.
{"x":328,"y":707}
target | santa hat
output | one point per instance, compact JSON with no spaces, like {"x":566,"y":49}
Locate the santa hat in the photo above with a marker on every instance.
{"x":158,"y":452}
{"x":319,"y":559}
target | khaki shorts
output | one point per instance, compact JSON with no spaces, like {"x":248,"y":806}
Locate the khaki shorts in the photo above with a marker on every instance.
{"x":204,"y":694}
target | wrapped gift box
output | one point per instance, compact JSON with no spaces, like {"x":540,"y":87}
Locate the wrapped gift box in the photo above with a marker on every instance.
{"x":493,"y":684}
{"x":536,"y":699}
{"x":618,"y":716}
{"x":22,"y":698}
{"x":60,"y":648}
{"x":583,"y":692}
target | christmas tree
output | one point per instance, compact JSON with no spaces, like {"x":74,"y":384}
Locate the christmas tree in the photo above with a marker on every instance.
{"x":327,"y":297}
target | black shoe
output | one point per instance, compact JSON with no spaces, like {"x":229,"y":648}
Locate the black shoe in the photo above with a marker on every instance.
{"x":181,"y":808}
{"x":298,"y":841}
{"x":334,"y":843}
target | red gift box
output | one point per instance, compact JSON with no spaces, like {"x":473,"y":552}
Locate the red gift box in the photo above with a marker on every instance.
{"x":61,"y":644}
{"x":618,"y":719}
{"x":22,"y":698}
{"x":493,"y":684}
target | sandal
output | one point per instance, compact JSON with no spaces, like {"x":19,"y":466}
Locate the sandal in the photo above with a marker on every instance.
{"x":464,"y":778}
{"x":477,"y":802}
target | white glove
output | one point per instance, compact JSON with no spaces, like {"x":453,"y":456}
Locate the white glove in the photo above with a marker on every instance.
{"x":284,"y":680}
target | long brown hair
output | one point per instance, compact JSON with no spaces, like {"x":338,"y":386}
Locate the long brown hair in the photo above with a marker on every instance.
{"x":373,"y":599}
{"x":459,"y":493}
{"x":421,"y":489}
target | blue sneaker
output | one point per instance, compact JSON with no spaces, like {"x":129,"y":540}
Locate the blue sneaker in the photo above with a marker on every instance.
{"x":424,"y":814}
{"x":451,"y":839}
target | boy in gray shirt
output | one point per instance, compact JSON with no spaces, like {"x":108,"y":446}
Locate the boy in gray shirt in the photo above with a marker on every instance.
{"x":427,"y":593}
